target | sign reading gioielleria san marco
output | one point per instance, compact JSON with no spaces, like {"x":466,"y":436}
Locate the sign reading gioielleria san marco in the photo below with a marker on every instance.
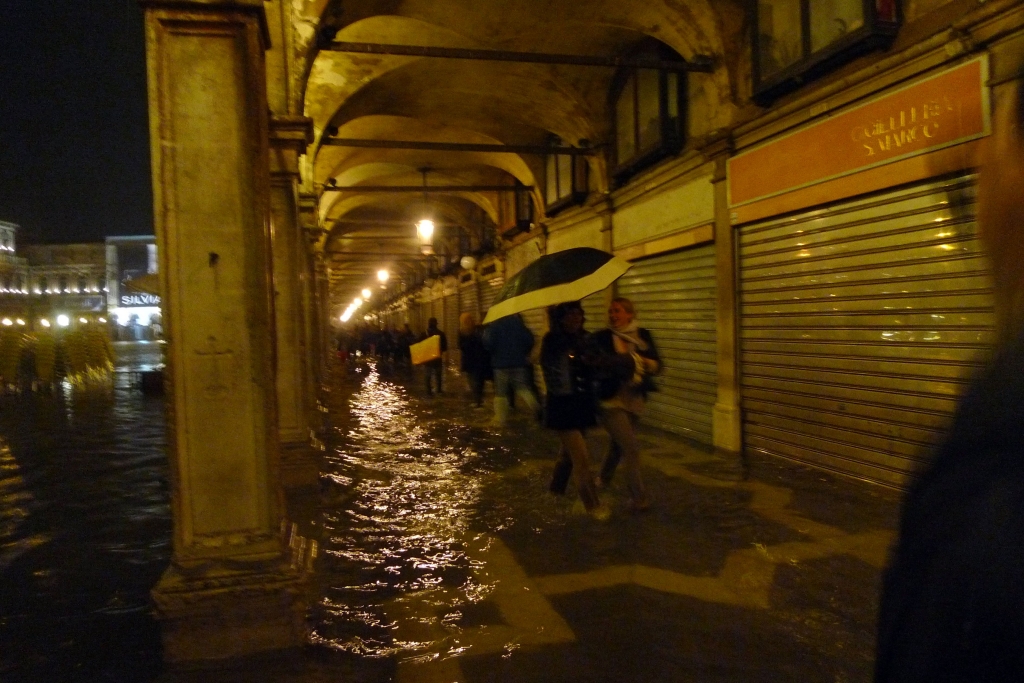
{"x":940,"y":111}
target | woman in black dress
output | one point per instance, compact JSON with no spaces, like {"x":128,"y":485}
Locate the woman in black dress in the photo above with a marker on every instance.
{"x":571,"y":407}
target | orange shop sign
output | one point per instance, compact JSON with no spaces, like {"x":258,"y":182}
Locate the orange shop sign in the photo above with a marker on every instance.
{"x":943,"y":110}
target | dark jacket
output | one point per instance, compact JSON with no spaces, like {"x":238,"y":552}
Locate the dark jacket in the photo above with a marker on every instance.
{"x":562,"y":362}
{"x":952,"y":606}
{"x":613,"y":374}
{"x":474,"y":358}
{"x":509,"y":342}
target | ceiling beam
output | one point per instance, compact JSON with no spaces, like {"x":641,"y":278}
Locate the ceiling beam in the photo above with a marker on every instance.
{"x":699,"y":63}
{"x":386,"y":223}
{"x":428,"y":188}
{"x":460,"y":147}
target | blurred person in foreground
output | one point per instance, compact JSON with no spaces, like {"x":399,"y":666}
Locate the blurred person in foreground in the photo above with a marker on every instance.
{"x":474,"y":361}
{"x":509,"y":341}
{"x":952,"y":605}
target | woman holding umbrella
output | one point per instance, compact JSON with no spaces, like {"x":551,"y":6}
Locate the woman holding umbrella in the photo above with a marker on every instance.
{"x":571,"y":406}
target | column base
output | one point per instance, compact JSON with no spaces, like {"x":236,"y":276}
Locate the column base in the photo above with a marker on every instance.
{"x":727,"y":427}
{"x":727,"y":435}
{"x":220,"y":613}
{"x":300,"y":464}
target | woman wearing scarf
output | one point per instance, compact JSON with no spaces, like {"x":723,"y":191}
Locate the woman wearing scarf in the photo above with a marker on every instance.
{"x":623,"y":394}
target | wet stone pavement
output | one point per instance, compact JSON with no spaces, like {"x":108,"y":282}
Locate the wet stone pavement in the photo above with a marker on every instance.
{"x":443,"y":557}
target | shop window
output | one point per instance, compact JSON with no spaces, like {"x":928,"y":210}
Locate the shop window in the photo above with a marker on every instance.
{"x":798,"y":40}
{"x":649,"y":109}
{"x":565,"y":180}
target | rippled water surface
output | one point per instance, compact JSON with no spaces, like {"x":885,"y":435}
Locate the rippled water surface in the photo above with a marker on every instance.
{"x":410,"y":504}
{"x":84,"y":534}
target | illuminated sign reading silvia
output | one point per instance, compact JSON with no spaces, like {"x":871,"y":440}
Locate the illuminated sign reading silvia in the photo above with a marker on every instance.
{"x":140,"y":300}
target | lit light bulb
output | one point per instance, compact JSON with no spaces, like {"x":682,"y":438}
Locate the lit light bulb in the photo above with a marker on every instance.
{"x":366,"y":294}
{"x":63,"y":320}
{"x":425,"y":228}
{"x":20,"y":321}
{"x":357,"y":302}
{"x":382,"y":276}
{"x":7,"y":322}
{"x":44,"y":322}
{"x":83,"y":320}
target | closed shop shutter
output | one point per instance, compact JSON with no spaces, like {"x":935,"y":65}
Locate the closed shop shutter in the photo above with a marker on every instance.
{"x":674,"y":295}
{"x":437,"y":309}
{"x":451,"y":326}
{"x":469,"y":302}
{"x":595,"y":309}
{"x":488,"y":291}
{"x":425,"y":313}
{"x":860,"y":325}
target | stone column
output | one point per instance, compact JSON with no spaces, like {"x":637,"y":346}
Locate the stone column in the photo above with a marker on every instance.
{"x":308,"y":219}
{"x":289,"y":138}
{"x":727,"y":420}
{"x":322,"y":310}
{"x":229,"y":590}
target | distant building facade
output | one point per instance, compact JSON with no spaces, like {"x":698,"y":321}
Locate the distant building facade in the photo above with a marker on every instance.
{"x":91,"y":280}
{"x":133,"y":300}
{"x":70,"y":278}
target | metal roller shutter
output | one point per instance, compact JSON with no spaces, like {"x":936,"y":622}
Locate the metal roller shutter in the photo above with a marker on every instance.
{"x":451,"y":326}
{"x":860,"y":325}
{"x":469,"y":302}
{"x":596,"y":311}
{"x":425,"y":313}
{"x":488,"y":292}
{"x":674,"y":296}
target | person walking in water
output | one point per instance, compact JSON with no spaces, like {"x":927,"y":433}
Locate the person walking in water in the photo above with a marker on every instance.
{"x":474,"y":360}
{"x":509,"y":341}
{"x":434,"y":369}
{"x":622,"y":394}
{"x":571,"y":407}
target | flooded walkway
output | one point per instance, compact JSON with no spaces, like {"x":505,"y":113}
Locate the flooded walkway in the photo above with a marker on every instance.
{"x":444,"y":558}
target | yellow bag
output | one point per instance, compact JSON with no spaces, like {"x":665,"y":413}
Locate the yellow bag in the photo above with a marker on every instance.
{"x":427,"y":350}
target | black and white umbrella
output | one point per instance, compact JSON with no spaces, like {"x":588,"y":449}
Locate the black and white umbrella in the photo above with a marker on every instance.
{"x":567,"y":275}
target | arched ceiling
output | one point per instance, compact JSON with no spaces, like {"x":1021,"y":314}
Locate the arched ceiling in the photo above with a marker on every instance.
{"x":387,"y":97}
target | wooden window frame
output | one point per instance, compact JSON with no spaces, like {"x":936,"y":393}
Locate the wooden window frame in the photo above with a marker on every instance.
{"x":672,"y":129}
{"x":577,"y":182}
{"x":876,"y":32}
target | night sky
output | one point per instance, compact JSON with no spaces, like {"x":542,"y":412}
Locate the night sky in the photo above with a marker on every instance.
{"x":74,"y":137}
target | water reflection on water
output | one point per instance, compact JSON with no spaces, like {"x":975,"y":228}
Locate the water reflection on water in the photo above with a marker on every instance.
{"x":84,"y":534}
{"x":402,"y":499}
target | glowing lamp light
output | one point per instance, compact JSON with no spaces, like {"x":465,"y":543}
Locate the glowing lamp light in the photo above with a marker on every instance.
{"x":103,"y":320}
{"x":467,"y":263}
{"x":357,"y":302}
{"x":44,"y":322}
{"x":20,"y":321}
{"x":63,"y":320}
{"x":82,"y":320}
{"x":425,"y":229}
{"x":366,"y":294}
{"x":7,"y":322}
